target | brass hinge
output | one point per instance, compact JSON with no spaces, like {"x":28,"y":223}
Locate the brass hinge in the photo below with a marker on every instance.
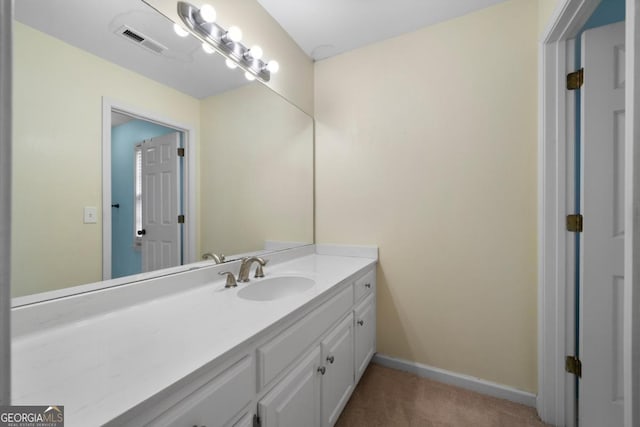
{"x":180,"y":152}
{"x":575,"y":80}
{"x":575,"y":223}
{"x":573,"y":365}
{"x":180,"y":219}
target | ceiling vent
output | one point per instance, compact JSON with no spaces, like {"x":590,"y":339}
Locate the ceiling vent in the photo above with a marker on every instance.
{"x":140,"y":39}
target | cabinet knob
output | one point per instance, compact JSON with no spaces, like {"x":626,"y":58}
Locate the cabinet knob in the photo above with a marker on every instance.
{"x":142,"y":232}
{"x":367,"y":285}
{"x":330,"y":359}
{"x":360,"y":322}
{"x":322,"y":370}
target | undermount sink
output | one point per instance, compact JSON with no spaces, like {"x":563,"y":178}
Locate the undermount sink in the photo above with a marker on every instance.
{"x":275,"y":288}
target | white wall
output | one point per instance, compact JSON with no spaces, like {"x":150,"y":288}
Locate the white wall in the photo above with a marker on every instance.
{"x":426,"y":146}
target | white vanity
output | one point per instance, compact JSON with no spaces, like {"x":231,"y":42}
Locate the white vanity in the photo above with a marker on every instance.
{"x":183,"y":350}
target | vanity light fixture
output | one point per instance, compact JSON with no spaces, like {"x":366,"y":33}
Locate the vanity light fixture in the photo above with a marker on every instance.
{"x":208,"y":48}
{"x":208,"y":13}
{"x":201,"y":23}
{"x":233,"y":34}
{"x":254,"y":52}
{"x":180,"y":31}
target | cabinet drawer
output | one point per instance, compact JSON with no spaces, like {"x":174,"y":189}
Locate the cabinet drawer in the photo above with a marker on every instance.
{"x":365,"y":285}
{"x":280,"y":352}
{"x":216,"y":402}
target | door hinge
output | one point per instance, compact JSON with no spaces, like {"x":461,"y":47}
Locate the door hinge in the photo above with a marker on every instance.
{"x":575,"y":80}
{"x":180,"y":219}
{"x":575,"y":223}
{"x":180,"y":152}
{"x":573,"y":365}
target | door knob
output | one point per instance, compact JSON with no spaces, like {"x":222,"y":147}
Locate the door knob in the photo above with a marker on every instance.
{"x":322,"y":370}
{"x":142,"y":232}
{"x":330,"y":359}
{"x":360,"y":322}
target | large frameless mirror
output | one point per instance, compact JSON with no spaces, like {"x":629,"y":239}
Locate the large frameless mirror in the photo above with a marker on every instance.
{"x":137,"y":151}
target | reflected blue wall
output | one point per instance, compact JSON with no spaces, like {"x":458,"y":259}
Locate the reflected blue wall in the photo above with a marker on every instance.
{"x":125,"y":258}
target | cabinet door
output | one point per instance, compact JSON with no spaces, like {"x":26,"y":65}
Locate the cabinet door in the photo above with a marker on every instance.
{"x":338,"y":381}
{"x":365,"y":334}
{"x":295,"y":401}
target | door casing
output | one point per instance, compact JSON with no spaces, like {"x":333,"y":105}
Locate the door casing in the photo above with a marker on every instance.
{"x":189,"y":178}
{"x":556,"y":117}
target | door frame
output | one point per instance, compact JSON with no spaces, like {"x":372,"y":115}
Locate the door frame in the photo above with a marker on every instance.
{"x":556,"y":134}
{"x":188,"y":178}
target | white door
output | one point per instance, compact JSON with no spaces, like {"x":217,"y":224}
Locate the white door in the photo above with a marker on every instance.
{"x":602,"y":241}
{"x":160,"y":202}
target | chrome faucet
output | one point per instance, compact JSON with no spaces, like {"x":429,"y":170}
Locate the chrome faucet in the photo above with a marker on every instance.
{"x":243,"y":276}
{"x":215,"y":257}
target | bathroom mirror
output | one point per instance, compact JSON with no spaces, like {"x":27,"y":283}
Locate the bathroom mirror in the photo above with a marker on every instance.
{"x":100,"y":87}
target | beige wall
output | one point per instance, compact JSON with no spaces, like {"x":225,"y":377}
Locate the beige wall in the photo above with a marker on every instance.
{"x":295,"y":79}
{"x":57,"y":157}
{"x":545,"y":12}
{"x":426,"y":146}
{"x":256,"y":181}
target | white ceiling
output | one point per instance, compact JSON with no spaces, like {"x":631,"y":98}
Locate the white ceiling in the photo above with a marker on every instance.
{"x":324,"y":28}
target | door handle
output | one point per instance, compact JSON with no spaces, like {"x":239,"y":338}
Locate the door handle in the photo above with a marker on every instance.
{"x":142,"y":232}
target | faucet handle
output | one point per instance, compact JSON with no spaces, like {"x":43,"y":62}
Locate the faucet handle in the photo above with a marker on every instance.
{"x":259,"y":271}
{"x":231,"y":280}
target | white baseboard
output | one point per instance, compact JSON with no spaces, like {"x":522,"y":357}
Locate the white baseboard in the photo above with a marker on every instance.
{"x":459,"y":380}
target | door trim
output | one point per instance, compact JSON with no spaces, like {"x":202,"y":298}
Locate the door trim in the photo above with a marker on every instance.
{"x":632,"y":220}
{"x":189,"y":178}
{"x":555,"y":392}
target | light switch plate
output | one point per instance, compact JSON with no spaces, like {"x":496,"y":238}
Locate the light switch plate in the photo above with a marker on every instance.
{"x":90,"y":215}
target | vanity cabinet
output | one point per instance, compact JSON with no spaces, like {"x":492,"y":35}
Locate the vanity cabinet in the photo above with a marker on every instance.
{"x":316,"y":390}
{"x":299,"y":374}
{"x":338,"y":380}
{"x":295,"y":401}
{"x":218,"y":402}
{"x":365,"y":334}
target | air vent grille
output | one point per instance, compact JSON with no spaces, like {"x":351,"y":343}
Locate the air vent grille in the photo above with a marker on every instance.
{"x":140,"y":39}
{"x":133,"y":35}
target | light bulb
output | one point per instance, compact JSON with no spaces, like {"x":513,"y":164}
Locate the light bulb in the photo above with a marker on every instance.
{"x":255,"y":52}
{"x":208,"y":48}
{"x":180,"y":31}
{"x":249,"y":76}
{"x":234,"y":34}
{"x":208,"y":13}
{"x":273,"y":66}
{"x":231,"y":64}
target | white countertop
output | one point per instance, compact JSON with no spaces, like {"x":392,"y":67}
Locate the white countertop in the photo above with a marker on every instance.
{"x":102,"y":366}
